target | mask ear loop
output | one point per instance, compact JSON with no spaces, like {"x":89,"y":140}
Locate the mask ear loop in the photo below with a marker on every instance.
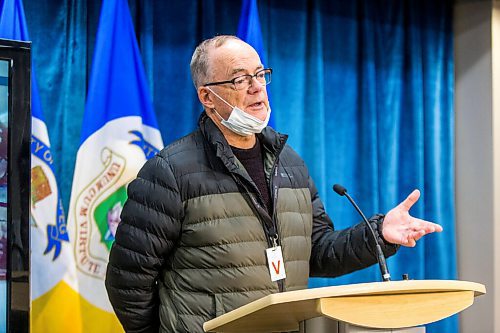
{"x":217,"y":113}
{"x":222,"y":99}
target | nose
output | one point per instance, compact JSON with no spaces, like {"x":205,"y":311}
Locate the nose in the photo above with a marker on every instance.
{"x":255,"y":86}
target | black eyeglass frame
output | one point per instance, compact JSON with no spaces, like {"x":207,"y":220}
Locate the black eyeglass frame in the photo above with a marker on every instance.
{"x":241,"y":76}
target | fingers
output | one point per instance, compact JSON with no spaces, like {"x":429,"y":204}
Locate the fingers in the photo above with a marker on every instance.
{"x":437,"y":227}
{"x":410,"y":200}
{"x":419,"y":224}
{"x":409,"y":242}
{"x":411,"y":238}
{"x":417,"y":235}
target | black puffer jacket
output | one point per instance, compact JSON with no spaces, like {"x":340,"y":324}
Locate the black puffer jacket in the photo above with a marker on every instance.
{"x":191,"y":243}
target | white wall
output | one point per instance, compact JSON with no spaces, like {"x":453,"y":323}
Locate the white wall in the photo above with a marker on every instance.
{"x":477,"y":217}
{"x":496,"y":158}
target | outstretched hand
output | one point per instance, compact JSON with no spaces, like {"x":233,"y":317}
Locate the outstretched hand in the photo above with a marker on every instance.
{"x":399,"y":227}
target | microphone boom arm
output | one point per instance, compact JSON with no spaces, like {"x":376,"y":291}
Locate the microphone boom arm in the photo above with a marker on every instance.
{"x":386,"y":276}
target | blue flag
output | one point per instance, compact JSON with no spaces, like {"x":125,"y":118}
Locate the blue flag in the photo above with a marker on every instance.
{"x":118,"y":85}
{"x":13,"y":26}
{"x":119,"y":133}
{"x":249,"y":31}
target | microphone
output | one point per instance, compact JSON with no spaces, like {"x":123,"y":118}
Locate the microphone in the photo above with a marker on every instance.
{"x":342,"y":191}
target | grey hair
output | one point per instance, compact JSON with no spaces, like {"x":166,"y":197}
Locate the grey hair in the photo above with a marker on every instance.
{"x":200,"y":59}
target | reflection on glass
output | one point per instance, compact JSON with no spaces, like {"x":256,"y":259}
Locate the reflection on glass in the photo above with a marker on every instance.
{"x":4,"y":120}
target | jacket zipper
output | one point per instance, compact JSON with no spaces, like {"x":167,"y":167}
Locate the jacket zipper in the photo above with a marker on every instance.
{"x":263,"y":215}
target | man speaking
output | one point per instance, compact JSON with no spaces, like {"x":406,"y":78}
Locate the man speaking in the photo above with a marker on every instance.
{"x":229,"y":213}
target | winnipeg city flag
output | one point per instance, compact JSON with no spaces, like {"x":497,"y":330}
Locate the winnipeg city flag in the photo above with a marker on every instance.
{"x":119,"y":133}
{"x":55,"y":303}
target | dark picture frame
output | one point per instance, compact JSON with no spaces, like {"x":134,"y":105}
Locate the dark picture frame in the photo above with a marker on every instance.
{"x":17,"y":277}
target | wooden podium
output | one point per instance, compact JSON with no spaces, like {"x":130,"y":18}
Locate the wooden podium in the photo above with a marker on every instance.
{"x":378,"y":306}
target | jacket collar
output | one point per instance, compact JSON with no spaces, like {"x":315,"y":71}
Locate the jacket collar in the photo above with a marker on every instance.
{"x":271,"y":140}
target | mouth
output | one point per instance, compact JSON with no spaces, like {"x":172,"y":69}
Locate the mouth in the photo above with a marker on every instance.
{"x":257,"y":105}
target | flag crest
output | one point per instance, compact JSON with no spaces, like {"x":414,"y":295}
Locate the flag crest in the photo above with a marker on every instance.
{"x":119,"y":133}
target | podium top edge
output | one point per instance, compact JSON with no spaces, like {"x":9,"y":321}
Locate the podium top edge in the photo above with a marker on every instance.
{"x":373,"y":288}
{"x":405,"y":286}
{"x":360,"y":289}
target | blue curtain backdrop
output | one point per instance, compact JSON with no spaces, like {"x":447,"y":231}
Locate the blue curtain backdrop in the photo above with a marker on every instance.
{"x":364,"y":88}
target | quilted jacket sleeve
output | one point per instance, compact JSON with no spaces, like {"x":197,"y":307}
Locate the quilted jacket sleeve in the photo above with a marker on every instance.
{"x":338,"y":252}
{"x":150,"y":225}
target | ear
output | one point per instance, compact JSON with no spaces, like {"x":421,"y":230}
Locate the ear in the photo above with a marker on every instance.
{"x":205,"y":97}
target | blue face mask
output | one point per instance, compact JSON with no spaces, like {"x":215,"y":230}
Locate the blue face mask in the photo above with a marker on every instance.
{"x":241,"y":122}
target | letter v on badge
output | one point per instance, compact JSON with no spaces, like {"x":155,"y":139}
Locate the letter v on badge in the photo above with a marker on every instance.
{"x":275,"y":263}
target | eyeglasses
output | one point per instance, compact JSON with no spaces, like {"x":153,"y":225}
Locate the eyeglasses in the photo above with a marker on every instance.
{"x":245,"y":81}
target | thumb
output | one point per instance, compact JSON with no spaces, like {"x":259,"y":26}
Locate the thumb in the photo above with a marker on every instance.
{"x":410,"y":200}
